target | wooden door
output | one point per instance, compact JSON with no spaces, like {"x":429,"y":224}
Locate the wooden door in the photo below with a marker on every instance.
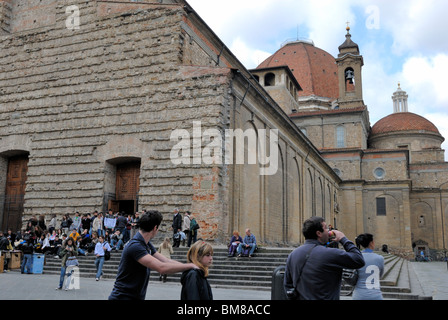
{"x":15,"y":192}
{"x":113,"y":205}
{"x":128,"y":181}
{"x":127,"y":187}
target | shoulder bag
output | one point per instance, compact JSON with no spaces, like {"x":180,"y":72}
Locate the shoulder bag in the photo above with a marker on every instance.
{"x":293,"y":294}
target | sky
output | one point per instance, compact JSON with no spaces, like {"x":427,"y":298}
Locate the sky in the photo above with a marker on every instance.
{"x":402,"y":41}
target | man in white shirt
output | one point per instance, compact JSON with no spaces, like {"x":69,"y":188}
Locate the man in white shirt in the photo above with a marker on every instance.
{"x":99,"y":253}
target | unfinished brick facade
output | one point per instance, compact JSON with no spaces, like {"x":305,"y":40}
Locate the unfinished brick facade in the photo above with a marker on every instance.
{"x":87,"y":87}
{"x":80,"y":102}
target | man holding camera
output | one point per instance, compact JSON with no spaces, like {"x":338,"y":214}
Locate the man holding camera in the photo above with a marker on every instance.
{"x":314,"y":271}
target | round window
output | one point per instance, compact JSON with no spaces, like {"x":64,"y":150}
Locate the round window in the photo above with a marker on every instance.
{"x":379,"y":173}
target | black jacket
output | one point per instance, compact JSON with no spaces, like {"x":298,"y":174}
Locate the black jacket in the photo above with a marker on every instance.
{"x":27,"y":248}
{"x":322,"y":274}
{"x":4,"y":243}
{"x":177,"y":222}
{"x":195,"y":286}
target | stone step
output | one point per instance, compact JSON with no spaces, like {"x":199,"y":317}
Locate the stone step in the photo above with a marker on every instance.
{"x":392,"y":272}
{"x":247,"y":273}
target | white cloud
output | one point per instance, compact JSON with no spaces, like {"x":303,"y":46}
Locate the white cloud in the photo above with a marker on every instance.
{"x":263,"y":25}
{"x":426,"y":77}
{"x":440,"y":120}
{"x":249,"y":57}
{"x":404,"y":42}
{"x":415,"y":25}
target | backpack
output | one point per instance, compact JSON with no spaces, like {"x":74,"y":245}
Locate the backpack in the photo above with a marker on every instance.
{"x":194,"y":225}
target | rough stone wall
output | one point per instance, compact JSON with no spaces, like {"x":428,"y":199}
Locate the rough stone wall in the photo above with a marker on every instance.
{"x":394,"y":165}
{"x":5,"y":16}
{"x":416,"y":142}
{"x":428,"y":176}
{"x":321,"y":129}
{"x":32,"y":14}
{"x":275,"y":206}
{"x":114,"y":88}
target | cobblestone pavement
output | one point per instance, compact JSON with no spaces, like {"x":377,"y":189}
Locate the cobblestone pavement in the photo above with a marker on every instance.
{"x":43,"y":287}
{"x":432,"y":276}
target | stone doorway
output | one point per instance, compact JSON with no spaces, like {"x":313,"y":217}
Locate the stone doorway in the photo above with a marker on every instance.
{"x":127,"y":185}
{"x":16,"y":176}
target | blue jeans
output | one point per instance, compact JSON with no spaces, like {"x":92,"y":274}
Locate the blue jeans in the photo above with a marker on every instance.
{"x":192,"y":237}
{"x":99,"y":261}
{"x":251,"y":245}
{"x":61,"y":278}
{"x":116,"y":244}
{"x":27,"y":263}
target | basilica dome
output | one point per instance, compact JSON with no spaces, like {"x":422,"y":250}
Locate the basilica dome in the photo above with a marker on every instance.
{"x":405,"y":129}
{"x":404,"y":121}
{"x":315,"y":69}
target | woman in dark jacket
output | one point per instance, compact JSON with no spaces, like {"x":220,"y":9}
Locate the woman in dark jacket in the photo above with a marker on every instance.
{"x":194,"y":282}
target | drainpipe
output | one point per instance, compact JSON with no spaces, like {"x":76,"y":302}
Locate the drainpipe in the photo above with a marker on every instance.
{"x":443,"y":224}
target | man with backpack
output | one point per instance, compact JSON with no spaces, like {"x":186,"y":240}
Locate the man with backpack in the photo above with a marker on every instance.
{"x":193,"y":234}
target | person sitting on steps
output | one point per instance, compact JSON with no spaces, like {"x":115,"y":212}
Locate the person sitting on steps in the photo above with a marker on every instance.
{"x":249,"y":242}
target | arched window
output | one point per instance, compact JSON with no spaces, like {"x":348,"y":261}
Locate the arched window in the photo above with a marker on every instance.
{"x":340,"y":137}
{"x":269,"y":80}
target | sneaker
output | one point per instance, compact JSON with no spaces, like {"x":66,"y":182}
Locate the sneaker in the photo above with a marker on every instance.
{"x":97,"y":279}
{"x":58,"y":288}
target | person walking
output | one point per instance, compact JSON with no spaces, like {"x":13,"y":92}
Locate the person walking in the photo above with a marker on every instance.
{"x":165,"y":249}
{"x":314,"y":271}
{"x":368,"y":284}
{"x":139,"y":257}
{"x":177,"y":226}
{"x":193,"y":234}
{"x":186,"y":226}
{"x":100,"y":248}
{"x":68,"y":251}
{"x":195,"y":285}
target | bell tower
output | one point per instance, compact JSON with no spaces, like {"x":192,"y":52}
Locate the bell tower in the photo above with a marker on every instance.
{"x":350,"y":64}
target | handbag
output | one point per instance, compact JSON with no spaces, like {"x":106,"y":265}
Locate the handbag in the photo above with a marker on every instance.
{"x":72,"y":262}
{"x":350,"y":276}
{"x":106,"y":255}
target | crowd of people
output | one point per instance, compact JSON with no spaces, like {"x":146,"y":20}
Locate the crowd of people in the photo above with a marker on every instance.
{"x":72,"y":236}
{"x":85,"y":230}
{"x":313,"y":270}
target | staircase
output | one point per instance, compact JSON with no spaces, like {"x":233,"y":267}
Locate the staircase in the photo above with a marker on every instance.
{"x":398,"y":281}
{"x":233,"y":272}
{"x":254,"y":273}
